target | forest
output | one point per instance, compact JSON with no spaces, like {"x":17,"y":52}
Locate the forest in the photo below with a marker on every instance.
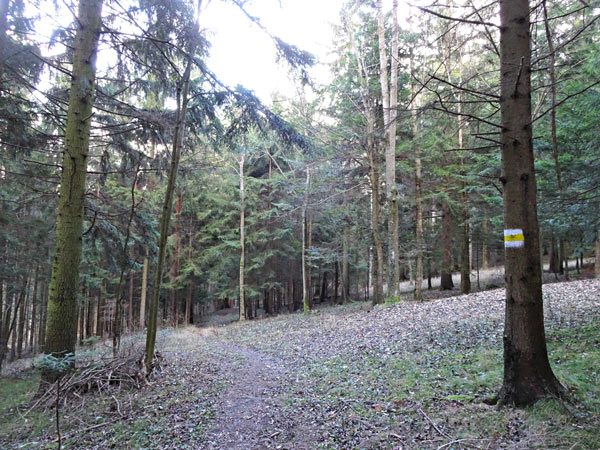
{"x":402,"y":256}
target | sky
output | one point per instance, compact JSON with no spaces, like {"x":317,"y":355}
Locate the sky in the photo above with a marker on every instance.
{"x":243,"y":54}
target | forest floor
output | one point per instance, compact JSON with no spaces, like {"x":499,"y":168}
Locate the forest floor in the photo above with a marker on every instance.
{"x":399,"y":376}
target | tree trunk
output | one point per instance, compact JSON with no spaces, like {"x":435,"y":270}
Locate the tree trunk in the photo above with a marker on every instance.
{"x":554,"y":255}
{"x":390,"y":106}
{"x":175,"y":266}
{"x":597,"y":256}
{"x":528,"y":376}
{"x":335,"y":281}
{"x":101,"y":313}
{"x":446,"y":282}
{"x":378,"y":247}
{"x":34,"y":311}
{"x":565,"y":251}
{"x":3,"y":28}
{"x":92,"y":302}
{"x":484,"y":245}
{"x":242,"y":315}
{"x":125,"y":264}
{"x":165,"y":218}
{"x":465,"y":257}
{"x":346,"y":239}
{"x":21,"y":327}
{"x":144,"y":292}
{"x":418,"y":294}
{"x":61,"y":327}
{"x":305,"y":258}
{"x":43,"y":315}
{"x":130,"y":302}
{"x":323,"y":294}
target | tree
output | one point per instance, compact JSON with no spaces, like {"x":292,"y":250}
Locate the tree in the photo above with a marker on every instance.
{"x":390,"y":113}
{"x":528,"y":376}
{"x":61,"y":328}
{"x":165,"y":218}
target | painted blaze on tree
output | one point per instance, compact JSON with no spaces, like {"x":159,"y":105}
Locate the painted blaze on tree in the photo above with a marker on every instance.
{"x":528,"y":376}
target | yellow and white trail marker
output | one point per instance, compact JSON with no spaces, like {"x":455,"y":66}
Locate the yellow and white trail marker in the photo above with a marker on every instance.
{"x":514,"y":238}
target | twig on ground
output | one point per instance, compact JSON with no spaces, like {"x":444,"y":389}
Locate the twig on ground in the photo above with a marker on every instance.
{"x":443,"y":433}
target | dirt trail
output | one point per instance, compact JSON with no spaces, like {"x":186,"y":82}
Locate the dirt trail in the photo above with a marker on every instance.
{"x":249,"y":410}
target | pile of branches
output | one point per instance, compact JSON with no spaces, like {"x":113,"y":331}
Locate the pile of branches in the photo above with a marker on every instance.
{"x":101,"y":377}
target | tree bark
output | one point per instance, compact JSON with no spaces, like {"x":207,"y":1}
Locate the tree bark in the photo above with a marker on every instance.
{"x":377,"y":244}
{"x":528,"y":376}
{"x":597,"y":255}
{"x":484,"y":244}
{"x":21,"y":326}
{"x":175,"y":265}
{"x":165,"y":218}
{"x":446,"y":282}
{"x":305,"y":246}
{"x":336,"y":281}
{"x":242,"y":315}
{"x":418,"y":294}
{"x":3,"y":28}
{"x":131,"y":288}
{"x":118,"y":320}
{"x":390,"y":106}
{"x":34,"y":311}
{"x":61,"y":327}
{"x":144,"y":292}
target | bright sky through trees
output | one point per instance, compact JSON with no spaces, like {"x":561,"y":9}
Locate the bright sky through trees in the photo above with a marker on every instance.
{"x":242,"y":54}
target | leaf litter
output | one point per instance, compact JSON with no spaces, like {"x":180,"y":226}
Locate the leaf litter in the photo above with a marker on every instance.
{"x":402,"y":376}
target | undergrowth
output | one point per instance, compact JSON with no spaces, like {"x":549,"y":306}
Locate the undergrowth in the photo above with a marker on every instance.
{"x":449,"y":387}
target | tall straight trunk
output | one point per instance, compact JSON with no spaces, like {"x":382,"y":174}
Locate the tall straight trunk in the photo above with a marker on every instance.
{"x":43,"y":315}
{"x":390,"y":106}
{"x":21,"y":326}
{"x":190,"y":286}
{"x":418,"y":294}
{"x":346,"y":238}
{"x":465,"y":254}
{"x":175,"y":266}
{"x":446,"y":282}
{"x":3,"y":29}
{"x":552,"y":75}
{"x":188,"y":303}
{"x":554,"y":255}
{"x":81,"y":309}
{"x":91,"y":313}
{"x":323,"y":294}
{"x":597,"y":255}
{"x":242,"y":315}
{"x":13,"y":330}
{"x":34,"y":310}
{"x":125,"y":264}
{"x":375,"y":220}
{"x":528,"y":376}
{"x":305,"y":247}
{"x":369,"y":106}
{"x":2,"y":328}
{"x":345,"y":267}
{"x":561,"y":256}
{"x":336,"y":281}
{"x":484,"y":244}
{"x":10,"y":320}
{"x":102,"y":305}
{"x":61,"y":327}
{"x":165,"y":218}
{"x":565,"y":251}
{"x":131,"y":289}
{"x":142,"y":321}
